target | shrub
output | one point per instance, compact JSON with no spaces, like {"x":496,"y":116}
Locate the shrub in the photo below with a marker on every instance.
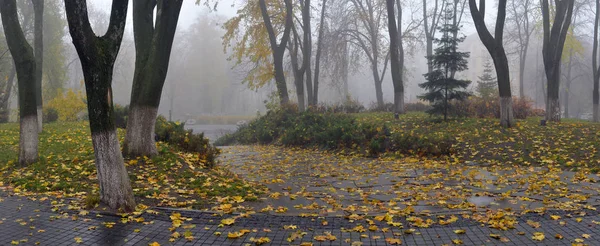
{"x":49,"y":115}
{"x":68,"y":105}
{"x":387,"y":107}
{"x":331,"y":131}
{"x":121,"y":112}
{"x":490,"y":108}
{"x":174,"y":133}
{"x":416,"y":107}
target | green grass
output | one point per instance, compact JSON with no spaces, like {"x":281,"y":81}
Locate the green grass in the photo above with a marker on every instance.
{"x":66,"y":169}
{"x":570,"y":143}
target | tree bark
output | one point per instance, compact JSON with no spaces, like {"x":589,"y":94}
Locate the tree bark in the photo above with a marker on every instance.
{"x":318,"y":55}
{"x":307,"y":50}
{"x":278,"y":50}
{"x":298,"y":72}
{"x":395,"y":44}
{"x":595,"y":68}
{"x":97,"y":56}
{"x":4,"y":100}
{"x":24,"y":62}
{"x":38,"y":9}
{"x":153,"y":51}
{"x":553,"y":44}
{"x":495,"y":47}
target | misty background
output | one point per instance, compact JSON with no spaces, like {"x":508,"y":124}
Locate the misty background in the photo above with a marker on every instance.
{"x":202,"y":80}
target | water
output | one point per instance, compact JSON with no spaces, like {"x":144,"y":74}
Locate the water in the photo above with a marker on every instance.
{"x":212,"y":132}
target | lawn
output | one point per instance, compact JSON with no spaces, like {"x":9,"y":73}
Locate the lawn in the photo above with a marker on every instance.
{"x":66,"y":170}
{"x":570,"y":143}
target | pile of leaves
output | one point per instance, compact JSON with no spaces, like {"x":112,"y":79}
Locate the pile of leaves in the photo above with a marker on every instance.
{"x":175,"y":134}
{"x":289,"y":127}
{"x":66,"y":169}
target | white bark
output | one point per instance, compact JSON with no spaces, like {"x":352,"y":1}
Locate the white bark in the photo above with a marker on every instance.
{"x":140,"y":132}
{"x":399,"y":102}
{"x":40,"y":117}
{"x":507,"y":118}
{"x":28,"y":141}
{"x":553,"y":109}
{"x":115,"y":188}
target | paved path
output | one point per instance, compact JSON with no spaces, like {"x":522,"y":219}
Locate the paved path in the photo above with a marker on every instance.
{"x":380,"y":191}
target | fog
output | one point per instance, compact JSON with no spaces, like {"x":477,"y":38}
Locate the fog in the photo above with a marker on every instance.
{"x":202,"y":80}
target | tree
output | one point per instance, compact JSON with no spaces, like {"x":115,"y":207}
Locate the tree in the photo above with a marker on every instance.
{"x":441,"y":87}
{"x":494,"y":45}
{"x":522,"y":15}
{"x":553,"y":44}
{"x":153,"y":43}
{"x":97,"y":55}
{"x":278,"y":49}
{"x":397,"y":55}
{"x":368,"y":18}
{"x":38,"y":9}
{"x":307,"y":49}
{"x":25,"y":65}
{"x":596,"y":68}
{"x":320,"y":44}
{"x":487,"y":84}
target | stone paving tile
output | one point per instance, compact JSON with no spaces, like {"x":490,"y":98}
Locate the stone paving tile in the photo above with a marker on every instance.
{"x":62,"y":230}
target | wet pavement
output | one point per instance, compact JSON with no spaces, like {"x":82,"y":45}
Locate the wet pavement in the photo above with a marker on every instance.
{"x":328,"y":199}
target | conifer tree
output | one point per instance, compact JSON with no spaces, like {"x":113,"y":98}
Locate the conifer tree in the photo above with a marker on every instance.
{"x":442,"y":88}
{"x":487,"y":84}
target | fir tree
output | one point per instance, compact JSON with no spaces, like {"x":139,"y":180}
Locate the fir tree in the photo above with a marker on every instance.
{"x":487,"y":86}
{"x":442,"y":88}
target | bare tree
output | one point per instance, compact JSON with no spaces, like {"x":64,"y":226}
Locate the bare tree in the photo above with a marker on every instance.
{"x":595,"y":68}
{"x":25,"y":64}
{"x":495,"y":47}
{"x":278,"y":49}
{"x":153,"y":43}
{"x":365,"y":33}
{"x":553,"y":44}
{"x":397,"y":54}
{"x":522,"y":16}
{"x":97,"y":55}
{"x":320,"y":44}
{"x":38,"y":43}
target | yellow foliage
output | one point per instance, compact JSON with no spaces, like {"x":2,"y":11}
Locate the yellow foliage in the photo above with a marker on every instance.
{"x":68,"y":105}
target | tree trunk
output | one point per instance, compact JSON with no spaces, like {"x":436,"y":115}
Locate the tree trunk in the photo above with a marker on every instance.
{"x":97,"y":56}
{"x":24,"y":62}
{"x":522,"y":77}
{"x":595,"y":68}
{"x":38,"y":9}
{"x":318,"y":55}
{"x":153,"y":52}
{"x":278,"y":50}
{"x":395,"y":58}
{"x":378,"y":89}
{"x":307,"y":50}
{"x":553,"y":44}
{"x":494,"y":45}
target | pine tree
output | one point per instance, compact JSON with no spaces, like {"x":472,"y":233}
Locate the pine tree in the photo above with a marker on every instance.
{"x":487,"y":85}
{"x":442,"y":87}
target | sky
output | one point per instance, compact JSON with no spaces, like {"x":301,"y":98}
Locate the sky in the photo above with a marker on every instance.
{"x":189,"y":11}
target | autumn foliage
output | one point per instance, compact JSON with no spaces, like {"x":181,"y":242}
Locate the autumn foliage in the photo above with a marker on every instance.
{"x":68,"y":105}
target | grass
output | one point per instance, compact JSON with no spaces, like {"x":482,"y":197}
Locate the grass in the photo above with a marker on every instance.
{"x":570,"y":143}
{"x":66,"y":169}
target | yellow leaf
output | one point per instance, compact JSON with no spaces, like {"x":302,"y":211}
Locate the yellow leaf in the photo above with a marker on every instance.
{"x":538,"y":236}
{"x":457,"y":241}
{"x":555,"y":217}
{"x":393,"y":241}
{"x":459,"y":231}
{"x":228,"y":221}
{"x":586,"y":236}
{"x":78,"y":240}
{"x":260,"y":241}
{"x":154,"y":244}
{"x":495,"y":236}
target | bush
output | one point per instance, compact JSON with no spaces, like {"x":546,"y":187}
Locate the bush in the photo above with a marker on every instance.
{"x":387,"y":107}
{"x":331,"y":131}
{"x":49,"y":115}
{"x":490,"y":108}
{"x":121,"y":112}
{"x":174,"y":133}
{"x":416,"y":107}
{"x":68,"y":105}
